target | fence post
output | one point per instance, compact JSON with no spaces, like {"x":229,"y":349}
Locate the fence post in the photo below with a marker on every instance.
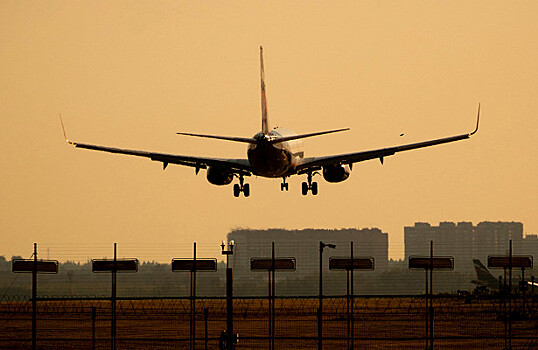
{"x":427,"y":311}
{"x":431,"y":324}
{"x":431,"y":295}
{"x":532,"y":296}
{"x":93,"y":326}
{"x":510,"y":297}
{"x":231,"y":338}
{"x":113,"y":300}
{"x":523,"y":290}
{"x":502,"y":291}
{"x":320,"y":301}
{"x":34,"y":300}
{"x":206,"y":316}
{"x":348,"y":317}
{"x":272,"y":296}
{"x":270,"y":308}
{"x":352,"y":300}
{"x":193,"y":301}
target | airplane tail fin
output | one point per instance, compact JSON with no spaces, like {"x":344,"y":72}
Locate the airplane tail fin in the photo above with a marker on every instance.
{"x":484,"y":276}
{"x":265,"y":122}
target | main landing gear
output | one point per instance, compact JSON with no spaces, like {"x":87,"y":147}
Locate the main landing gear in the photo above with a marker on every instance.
{"x":240,"y":187}
{"x":309,"y":185}
{"x":284,"y":184}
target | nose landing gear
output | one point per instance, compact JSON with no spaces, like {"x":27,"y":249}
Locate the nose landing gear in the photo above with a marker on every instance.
{"x":284,"y":184}
{"x":240,"y":187}
{"x":309,"y":185}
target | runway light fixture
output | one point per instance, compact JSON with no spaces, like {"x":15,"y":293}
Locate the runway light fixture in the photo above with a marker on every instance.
{"x":231,"y":338}
{"x":322,"y":246}
{"x":230,"y":246}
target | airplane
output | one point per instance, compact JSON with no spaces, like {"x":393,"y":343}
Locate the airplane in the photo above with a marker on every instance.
{"x":486,"y":279}
{"x":273,"y":153}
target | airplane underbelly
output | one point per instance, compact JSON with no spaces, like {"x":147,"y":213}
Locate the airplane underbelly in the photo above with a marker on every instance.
{"x":269,"y":161}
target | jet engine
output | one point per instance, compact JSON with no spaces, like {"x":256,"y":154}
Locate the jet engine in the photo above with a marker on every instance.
{"x":219,"y":176}
{"x":336,"y":173}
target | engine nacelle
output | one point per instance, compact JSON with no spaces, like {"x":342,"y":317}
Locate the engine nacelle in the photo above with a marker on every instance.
{"x":336,"y":173}
{"x":219,"y":176}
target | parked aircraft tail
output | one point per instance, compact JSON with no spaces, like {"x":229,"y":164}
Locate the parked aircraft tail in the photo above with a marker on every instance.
{"x":485,"y":278}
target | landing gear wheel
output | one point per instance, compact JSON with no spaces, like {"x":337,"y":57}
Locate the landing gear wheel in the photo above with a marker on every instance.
{"x":304,"y":188}
{"x":284,"y":184}
{"x":237,"y":190}
{"x":241,"y":187}
{"x":314,"y":188}
{"x":308,"y":185}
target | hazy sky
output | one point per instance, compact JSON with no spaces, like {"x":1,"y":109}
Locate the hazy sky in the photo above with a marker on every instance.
{"x":133,"y":73}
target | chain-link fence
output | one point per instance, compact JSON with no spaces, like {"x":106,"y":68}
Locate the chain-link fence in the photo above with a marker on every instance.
{"x":376,"y":322}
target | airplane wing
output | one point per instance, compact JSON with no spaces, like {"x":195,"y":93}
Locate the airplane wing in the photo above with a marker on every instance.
{"x":315,"y":163}
{"x":239,"y":166}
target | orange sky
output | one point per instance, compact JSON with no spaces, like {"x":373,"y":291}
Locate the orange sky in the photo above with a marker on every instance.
{"x":131,"y":74}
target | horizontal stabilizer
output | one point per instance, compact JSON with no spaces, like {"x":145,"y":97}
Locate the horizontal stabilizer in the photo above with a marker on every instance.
{"x":228,"y":138}
{"x":296,"y":137}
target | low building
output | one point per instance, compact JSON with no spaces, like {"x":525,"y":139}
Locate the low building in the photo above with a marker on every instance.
{"x":303,"y":245}
{"x":464,"y":241}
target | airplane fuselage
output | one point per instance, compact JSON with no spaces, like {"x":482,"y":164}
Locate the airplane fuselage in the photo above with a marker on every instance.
{"x":274,"y":159}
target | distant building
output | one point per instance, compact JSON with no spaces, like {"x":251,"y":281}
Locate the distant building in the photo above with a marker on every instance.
{"x":304,"y":246}
{"x":464,"y":241}
{"x":530,"y":247}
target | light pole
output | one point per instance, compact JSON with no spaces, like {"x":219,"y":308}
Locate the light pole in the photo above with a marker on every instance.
{"x":34,"y":300}
{"x":320,"y":309}
{"x":231,"y":338}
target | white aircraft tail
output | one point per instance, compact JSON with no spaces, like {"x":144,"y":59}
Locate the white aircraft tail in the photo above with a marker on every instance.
{"x":485,"y":278}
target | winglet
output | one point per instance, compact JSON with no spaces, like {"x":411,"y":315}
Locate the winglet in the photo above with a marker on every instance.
{"x":477,"y":121}
{"x":63,"y":129}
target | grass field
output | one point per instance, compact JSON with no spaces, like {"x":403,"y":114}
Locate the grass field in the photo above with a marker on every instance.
{"x":379,"y":323}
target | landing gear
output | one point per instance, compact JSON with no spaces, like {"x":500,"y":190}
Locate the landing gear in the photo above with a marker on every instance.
{"x":309,"y":185}
{"x":240,"y":187}
{"x":314,"y":188}
{"x":304,"y":188}
{"x":284,"y":184}
{"x":237,"y":190}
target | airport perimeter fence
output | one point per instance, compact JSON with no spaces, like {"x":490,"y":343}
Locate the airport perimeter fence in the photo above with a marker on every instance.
{"x":464,"y":322}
